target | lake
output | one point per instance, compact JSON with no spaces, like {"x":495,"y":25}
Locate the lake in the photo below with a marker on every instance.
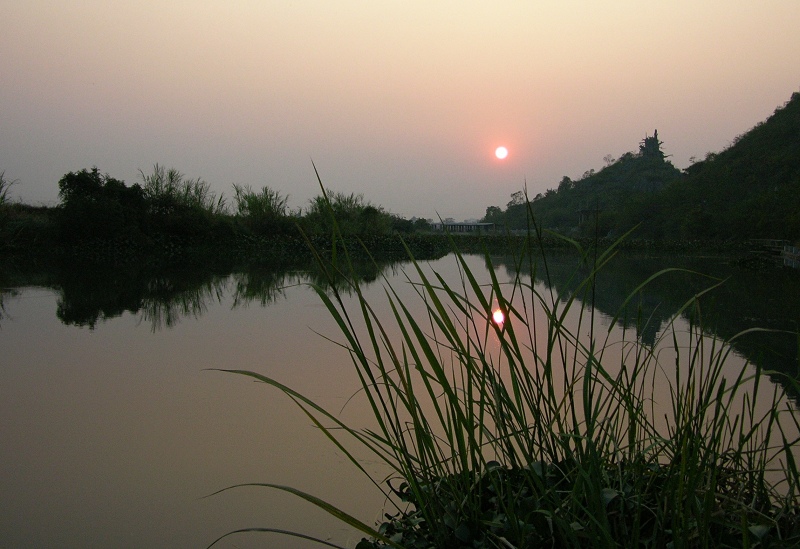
{"x":115,"y":425}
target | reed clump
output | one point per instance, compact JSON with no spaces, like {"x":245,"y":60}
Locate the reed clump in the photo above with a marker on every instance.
{"x":542,"y":431}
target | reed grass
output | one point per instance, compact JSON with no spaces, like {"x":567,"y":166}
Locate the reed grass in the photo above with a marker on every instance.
{"x":542,"y":431}
{"x":265,"y":204}
{"x":168,"y":189}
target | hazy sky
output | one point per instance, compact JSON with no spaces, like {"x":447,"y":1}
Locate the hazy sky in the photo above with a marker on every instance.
{"x":403,"y":101}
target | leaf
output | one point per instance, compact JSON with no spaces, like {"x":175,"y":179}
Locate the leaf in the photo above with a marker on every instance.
{"x":608,"y":495}
{"x":463,"y":533}
{"x":759,"y":530}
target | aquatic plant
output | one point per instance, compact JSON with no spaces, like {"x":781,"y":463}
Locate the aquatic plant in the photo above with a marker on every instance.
{"x":541,"y":430}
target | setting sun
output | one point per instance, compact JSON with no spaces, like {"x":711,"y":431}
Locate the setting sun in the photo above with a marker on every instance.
{"x":501,"y":152}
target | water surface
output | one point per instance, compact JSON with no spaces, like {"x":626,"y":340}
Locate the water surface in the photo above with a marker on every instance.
{"x":115,"y":426}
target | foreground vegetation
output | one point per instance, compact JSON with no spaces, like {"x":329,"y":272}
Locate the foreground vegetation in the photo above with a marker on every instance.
{"x":539,"y":430}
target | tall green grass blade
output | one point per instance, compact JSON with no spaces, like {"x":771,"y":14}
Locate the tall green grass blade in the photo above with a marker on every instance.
{"x":289,"y":533}
{"x":325,"y":506}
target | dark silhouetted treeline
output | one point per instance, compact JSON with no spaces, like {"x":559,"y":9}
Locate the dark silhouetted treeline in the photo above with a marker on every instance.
{"x":169,"y":215}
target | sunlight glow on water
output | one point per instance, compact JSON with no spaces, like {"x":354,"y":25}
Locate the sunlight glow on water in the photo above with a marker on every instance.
{"x":498,"y":317}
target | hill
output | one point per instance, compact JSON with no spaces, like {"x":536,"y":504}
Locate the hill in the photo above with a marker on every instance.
{"x":749,"y":190}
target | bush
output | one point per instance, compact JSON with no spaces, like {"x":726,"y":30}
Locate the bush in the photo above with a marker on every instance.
{"x":97,"y":206}
{"x":353,"y":215}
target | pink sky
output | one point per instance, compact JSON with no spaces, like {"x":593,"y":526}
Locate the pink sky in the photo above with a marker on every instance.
{"x":404,"y":102}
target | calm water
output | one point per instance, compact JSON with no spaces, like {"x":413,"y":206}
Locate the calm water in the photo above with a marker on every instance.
{"x":114,"y":428}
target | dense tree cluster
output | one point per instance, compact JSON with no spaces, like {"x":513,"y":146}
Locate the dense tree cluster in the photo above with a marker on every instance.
{"x":97,"y":206}
{"x":749,"y":190}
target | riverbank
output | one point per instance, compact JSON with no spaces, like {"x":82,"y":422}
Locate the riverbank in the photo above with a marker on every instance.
{"x":119,"y":232}
{"x":30,"y":233}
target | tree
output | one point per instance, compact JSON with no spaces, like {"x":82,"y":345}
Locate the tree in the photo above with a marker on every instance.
{"x":517,"y":199}
{"x":263,"y":211}
{"x":494,"y":215}
{"x":354,"y":215}
{"x":95,"y":205}
{"x":422,"y":225}
{"x":169,"y":191}
{"x":401,"y":224}
{"x":5,"y":184}
{"x":82,"y":185}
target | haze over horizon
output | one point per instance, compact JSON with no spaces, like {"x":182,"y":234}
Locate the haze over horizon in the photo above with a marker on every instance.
{"x":402,"y":102}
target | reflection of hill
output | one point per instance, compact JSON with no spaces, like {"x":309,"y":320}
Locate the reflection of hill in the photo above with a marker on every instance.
{"x":745,"y":300}
{"x":5,"y":293}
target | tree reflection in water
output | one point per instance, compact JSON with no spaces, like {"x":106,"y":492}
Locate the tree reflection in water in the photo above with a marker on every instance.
{"x":89,"y":294}
{"x":742,"y":300}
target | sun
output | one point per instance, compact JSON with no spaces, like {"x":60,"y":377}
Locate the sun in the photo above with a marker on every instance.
{"x":501,"y":152}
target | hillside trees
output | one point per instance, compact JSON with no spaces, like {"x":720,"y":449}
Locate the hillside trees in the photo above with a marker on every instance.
{"x":610,"y":201}
{"x":749,"y":190}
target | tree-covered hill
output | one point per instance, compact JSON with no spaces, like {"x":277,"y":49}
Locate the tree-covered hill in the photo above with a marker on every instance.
{"x":749,"y":190}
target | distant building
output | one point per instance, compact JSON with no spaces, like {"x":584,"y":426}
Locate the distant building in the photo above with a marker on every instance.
{"x":463,"y":227}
